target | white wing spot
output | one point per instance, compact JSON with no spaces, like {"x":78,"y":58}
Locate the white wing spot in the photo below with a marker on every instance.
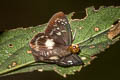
{"x":58,"y":28}
{"x":42,"y":37}
{"x":70,"y":62}
{"x":59,"y":21}
{"x":50,"y":52}
{"x":66,"y":23}
{"x":62,"y":23}
{"x":47,"y":53}
{"x":63,"y":31}
{"x":56,"y":19}
{"x":59,"y":33}
{"x":54,"y":58}
{"x":49,"y":43}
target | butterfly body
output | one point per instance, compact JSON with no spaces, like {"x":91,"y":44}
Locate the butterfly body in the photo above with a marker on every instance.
{"x":55,"y":44}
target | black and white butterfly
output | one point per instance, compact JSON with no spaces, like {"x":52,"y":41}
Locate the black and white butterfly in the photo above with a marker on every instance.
{"x":55,"y":44}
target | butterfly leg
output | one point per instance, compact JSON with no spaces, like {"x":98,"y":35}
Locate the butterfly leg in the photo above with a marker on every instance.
{"x":74,"y":35}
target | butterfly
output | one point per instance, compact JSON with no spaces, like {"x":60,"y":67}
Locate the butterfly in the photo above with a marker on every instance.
{"x":54,"y":45}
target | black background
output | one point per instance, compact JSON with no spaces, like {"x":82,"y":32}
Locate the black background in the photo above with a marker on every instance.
{"x":24,"y":13}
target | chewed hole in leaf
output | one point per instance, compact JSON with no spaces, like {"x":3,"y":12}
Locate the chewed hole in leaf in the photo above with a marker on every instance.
{"x":40,"y":70}
{"x":96,"y":29}
{"x":14,"y":64}
{"x":29,"y":51}
{"x":92,"y":46}
{"x":114,"y":31}
{"x":10,"y":45}
{"x":80,"y":28}
{"x":83,"y":58}
{"x":9,"y":66}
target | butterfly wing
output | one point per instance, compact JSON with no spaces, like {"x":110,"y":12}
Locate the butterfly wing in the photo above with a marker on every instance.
{"x":70,"y":60}
{"x":45,"y":49}
{"x":52,"y":46}
{"x":59,"y":29}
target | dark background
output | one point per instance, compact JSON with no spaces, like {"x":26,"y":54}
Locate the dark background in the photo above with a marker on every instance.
{"x":24,"y":13}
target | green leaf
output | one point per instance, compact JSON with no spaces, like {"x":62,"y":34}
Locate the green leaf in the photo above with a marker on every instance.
{"x":94,"y":33}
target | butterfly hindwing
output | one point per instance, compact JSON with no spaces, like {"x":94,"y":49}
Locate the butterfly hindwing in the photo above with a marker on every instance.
{"x":59,"y":29}
{"x":45,"y":49}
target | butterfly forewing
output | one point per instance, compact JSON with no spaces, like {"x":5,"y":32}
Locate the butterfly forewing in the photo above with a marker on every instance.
{"x":59,"y":29}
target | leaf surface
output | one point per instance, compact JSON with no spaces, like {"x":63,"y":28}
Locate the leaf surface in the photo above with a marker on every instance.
{"x":94,"y":34}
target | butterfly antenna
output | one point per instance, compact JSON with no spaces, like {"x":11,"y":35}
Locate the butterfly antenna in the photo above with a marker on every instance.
{"x":74,"y":35}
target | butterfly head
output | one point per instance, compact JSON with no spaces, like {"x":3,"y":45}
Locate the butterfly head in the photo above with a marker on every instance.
{"x":74,"y":48}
